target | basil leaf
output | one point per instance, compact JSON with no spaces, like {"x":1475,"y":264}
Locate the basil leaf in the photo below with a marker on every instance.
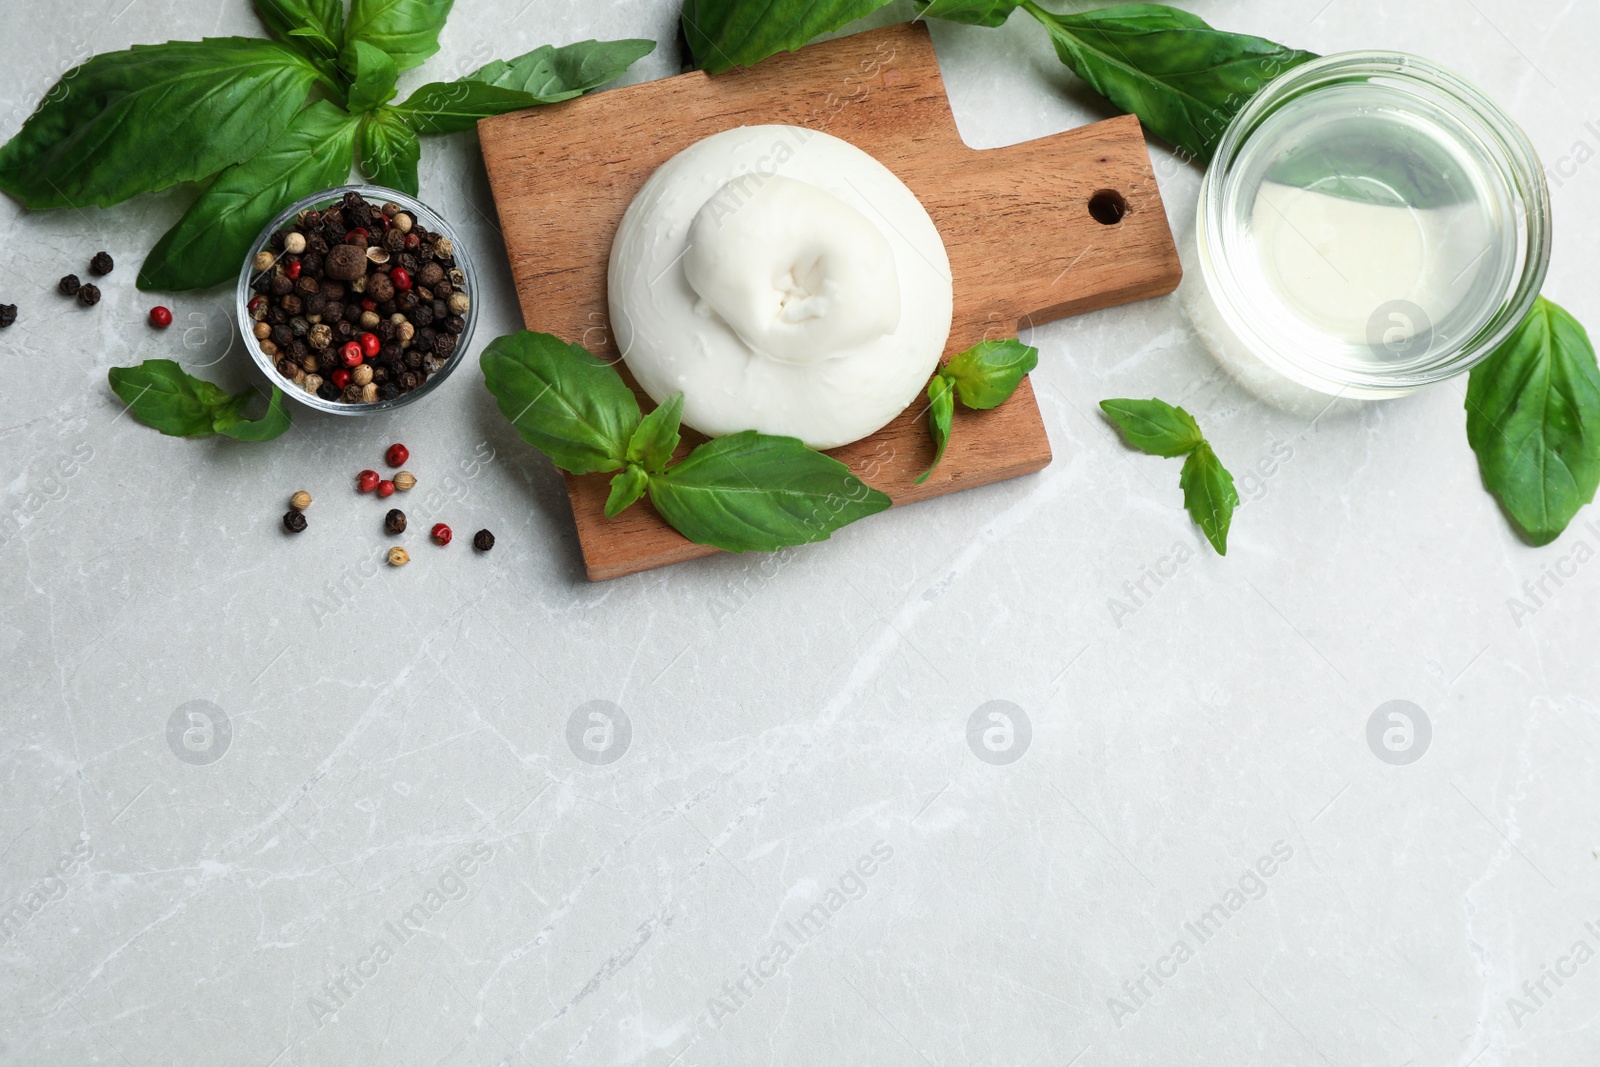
{"x":972,"y":12}
{"x":941,"y":416}
{"x":209,"y":243}
{"x":161,"y":394}
{"x":450,"y":107}
{"x":406,"y":29}
{"x":1182,"y":78}
{"x":723,"y":34}
{"x":1209,"y":495}
{"x":986,"y":374}
{"x":1533,"y":418}
{"x":551,"y":74}
{"x":627,"y":486}
{"x":657,"y":437}
{"x":562,"y":399}
{"x":1155,"y":426}
{"x":390,"y":150}
{"x":374,"y":73}
{"x":314,"y":26}
{"x":268,"y":426}
{"x":753,"y":492}
{"x":132,"y":122}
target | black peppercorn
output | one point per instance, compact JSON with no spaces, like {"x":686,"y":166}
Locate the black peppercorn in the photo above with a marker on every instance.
{"x":8,"y":315}
{"x":282,"y":336}
{"x":388,"y":391}
{"x":423,"y":315}
{"x":483,"y":540}
{"x":395,"y":521}
{"x":101,"y":264}
{"x":328,"y":391}
{"x":413,"y":358}
{"x":282,"y":285}
{"x":276,"y":316}
{"x":89,"y":295}
{"x":69,"y":285}
{"x":443,"y":345}
{"x":286,"y":367}
{"x":294,"y":521}
{"x":454,"y":323}
{"x":328,"y":360}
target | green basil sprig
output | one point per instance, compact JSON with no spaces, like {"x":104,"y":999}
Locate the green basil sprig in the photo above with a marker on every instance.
{"x":242,"y":111}
{"x":1182,"y":78}
{"x":1533,"y":418}
{"x":202,"y":248}
{"x":408,"y":30}
{"x":741,"y":493}
{"x":984,"y":376}
{"x":315,"y":26}
{"x":106,"y":131}
{"x":723,"y":34}
{"x":1159,"y":429}
{"x":161,"y":394}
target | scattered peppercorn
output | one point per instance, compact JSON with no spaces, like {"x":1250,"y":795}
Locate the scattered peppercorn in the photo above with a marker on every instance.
{"x":397,"y":455}
{"x":89,"y":295}
{"x":395,"y":521}
{"x":160,"y":317}
{"x":398,"y":557}
{"x":441,"y":534}
{"x":386,"y":488}
{"x":404,"y":481}
{"x":300,"y":501}
{"x":69,"y":285}
{"x":367,"y":481}
{"x":294,"y":522}
{"x":8,"y":315}
{"x":101,"y":264}
{"x":483,"y":540}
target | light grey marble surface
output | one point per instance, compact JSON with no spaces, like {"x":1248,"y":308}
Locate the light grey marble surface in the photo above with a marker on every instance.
{"x":797,"y":858}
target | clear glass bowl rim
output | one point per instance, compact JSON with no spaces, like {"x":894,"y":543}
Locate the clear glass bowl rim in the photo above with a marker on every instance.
{"x":377,"y":194}
{"x":1516,"y":161}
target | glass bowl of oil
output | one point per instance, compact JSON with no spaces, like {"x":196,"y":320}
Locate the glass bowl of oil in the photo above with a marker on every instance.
{"x":1373,"y":223}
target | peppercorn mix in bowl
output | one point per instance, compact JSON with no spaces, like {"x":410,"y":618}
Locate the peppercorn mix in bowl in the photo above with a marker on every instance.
{"x":357,"y":300}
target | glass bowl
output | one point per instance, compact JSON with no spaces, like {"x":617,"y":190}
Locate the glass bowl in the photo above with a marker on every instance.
{"x":375,"y":194}
{"x":1373,"y":223}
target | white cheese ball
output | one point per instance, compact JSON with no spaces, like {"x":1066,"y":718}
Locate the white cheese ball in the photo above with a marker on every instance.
{"x":784,"y":281}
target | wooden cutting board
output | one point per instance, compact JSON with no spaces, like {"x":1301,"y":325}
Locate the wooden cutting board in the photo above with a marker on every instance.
{"x":1037,"y":231}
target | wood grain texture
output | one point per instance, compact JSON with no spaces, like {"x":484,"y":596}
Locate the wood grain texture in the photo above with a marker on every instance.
{"x":1024,"y":248}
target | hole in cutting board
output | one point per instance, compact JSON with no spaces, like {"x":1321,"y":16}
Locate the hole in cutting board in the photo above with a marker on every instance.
{"x":1107,"y":206}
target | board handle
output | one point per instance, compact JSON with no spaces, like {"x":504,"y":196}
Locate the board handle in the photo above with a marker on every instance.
{"x":1077,"y":238}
